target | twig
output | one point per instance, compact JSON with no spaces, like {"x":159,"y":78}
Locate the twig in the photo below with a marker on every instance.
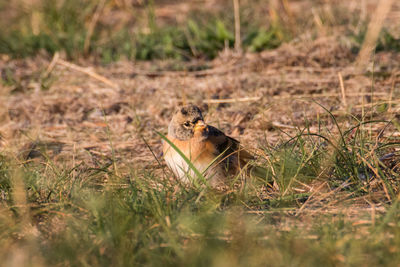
{"x":378,"y":176}
{"x":88,"y":72}
{"x":342,"y":89}
{"x":52,"y":64}
{"x":238,"y":42}
{"x":374,"y":28}
{"x":391,"y":94}
{"x":190,"y":42}
{"x":92,"y":25}
{"x":231,"y":100}
{"x":318,"y":22}
{"x":310,"y":197}
{"x":281,"y":125}
{"x":325,"y":95}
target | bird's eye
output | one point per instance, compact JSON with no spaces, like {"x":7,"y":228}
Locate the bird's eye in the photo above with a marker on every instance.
{"x":187,"y":124}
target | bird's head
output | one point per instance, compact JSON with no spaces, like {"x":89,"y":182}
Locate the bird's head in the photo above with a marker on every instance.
{"x":186,"y":121}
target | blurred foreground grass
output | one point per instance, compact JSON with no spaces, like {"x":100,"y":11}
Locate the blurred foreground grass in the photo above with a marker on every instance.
{"x":112,"y":215}
{"x":110,"y":30}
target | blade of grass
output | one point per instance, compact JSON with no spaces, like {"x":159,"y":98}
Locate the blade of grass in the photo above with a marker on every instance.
{"x":199,"y":175}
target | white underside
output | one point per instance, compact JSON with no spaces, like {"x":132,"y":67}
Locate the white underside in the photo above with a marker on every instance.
{"x":181,"y":169}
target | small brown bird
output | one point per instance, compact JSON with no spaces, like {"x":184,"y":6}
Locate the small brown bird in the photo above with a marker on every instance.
{"x":214,"y":154}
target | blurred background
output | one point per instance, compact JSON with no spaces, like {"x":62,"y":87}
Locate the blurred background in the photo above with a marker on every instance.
{"x":110,"y":30}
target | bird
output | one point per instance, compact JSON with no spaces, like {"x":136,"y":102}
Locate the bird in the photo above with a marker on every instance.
{"x":214,"y":154}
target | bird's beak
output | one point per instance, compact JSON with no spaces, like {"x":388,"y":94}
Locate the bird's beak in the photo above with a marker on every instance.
{"x":200,"y":125}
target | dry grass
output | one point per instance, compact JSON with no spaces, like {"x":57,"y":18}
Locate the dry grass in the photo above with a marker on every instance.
{"x":74,"y":111}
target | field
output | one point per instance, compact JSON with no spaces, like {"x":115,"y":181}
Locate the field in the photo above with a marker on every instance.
{"x":310,"y":87}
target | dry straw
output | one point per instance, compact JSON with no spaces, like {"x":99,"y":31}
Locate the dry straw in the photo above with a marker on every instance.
{"x":238,"y":42}
{"x":374,"y":29}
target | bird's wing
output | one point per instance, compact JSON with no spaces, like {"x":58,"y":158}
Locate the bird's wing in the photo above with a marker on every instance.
{"x":227,"y":145}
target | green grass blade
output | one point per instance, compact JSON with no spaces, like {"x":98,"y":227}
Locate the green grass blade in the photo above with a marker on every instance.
{"x":188,"y":162}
